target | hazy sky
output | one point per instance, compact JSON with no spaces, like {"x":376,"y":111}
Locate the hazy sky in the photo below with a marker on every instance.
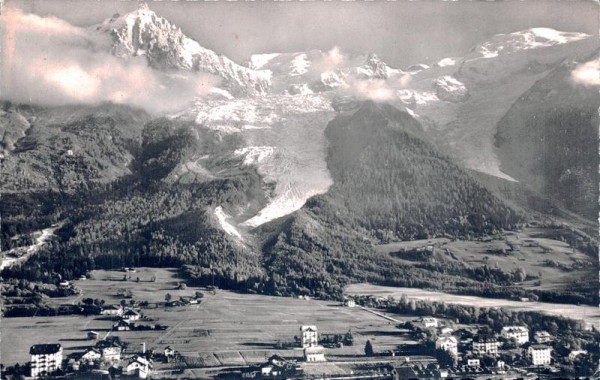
{"x":401,"y":32}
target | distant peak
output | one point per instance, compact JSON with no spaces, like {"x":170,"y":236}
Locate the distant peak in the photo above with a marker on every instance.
{"x":373,"y":58}
{"x":143,"y":7}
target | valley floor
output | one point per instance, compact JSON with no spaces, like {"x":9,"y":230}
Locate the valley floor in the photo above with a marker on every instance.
{"x":589,"y":314}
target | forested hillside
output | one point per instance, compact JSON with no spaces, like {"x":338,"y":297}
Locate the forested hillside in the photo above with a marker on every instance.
{"x":548,"y":140}
{"x":389,"y":185}
{"x":395,"y":185}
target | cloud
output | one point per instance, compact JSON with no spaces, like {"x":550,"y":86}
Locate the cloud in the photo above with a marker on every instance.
{"x":587,"y":74}
{"x":50,"y":62}
{"x":331,"y":61}
{"x":381,"y":90}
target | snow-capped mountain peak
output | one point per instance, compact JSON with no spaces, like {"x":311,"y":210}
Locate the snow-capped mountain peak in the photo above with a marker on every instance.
{"x":376,"y":68}
{"x":144,"y":33}
{"x":533,"y":38}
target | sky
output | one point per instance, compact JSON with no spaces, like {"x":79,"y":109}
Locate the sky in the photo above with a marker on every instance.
{"x":401,"y":32}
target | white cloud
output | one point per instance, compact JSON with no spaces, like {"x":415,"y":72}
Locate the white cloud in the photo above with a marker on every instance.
{"x":587,"y":74}
{"x":51,"y":62}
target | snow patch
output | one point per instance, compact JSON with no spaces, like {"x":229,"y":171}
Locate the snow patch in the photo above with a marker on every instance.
{"x":412,"y":97}
{"x":254,"y":155}
{"x":299,"y":65}
{"x":450,"y":89}
{"x":300,"y":89}
{"x":446,"y":62}
{"x":229,"y":228}
{"x":258,"y":61}
{"x":411,"y":113}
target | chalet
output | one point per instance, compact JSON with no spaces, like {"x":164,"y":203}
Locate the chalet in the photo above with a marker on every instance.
{"x":446,"y":330}
{"x":542,"y":337}
{"x":428,"y":322}
{"x":519,"y":333}
{"x":139,"y":365}
{"x":473,"y":363}
{"x":485,"y":344}
{"x":112,"y":310}
{"x":314,"y":354}
{"x":123,"y":325}
{"x":540,"y":354}
{"x":46,"y":359}
{"x":447,"y":343}
{"x":309,"y":336}
{"x":131,"y":315}
{"x":64,"y":284}
{"x":575,"y":353}
{"x":91,"y":355}
{"x":111,"y":351}
{"x":274,"y":367}
{"x":350,"y":303}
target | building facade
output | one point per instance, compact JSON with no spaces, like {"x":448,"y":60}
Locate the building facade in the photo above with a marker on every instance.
{"x":519,"y":333}
{"x":309,"y":336}
{"x":540,"y":354}
{"x":447,"y":343}
{"x":542,"y":337}
{"x":429,"y":322}
{"x":314,"y":354}
{"x":45,"y":359}
{"x":485,"y":344}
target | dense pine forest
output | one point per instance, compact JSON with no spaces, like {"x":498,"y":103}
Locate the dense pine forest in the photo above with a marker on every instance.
{"x":390,"y":185}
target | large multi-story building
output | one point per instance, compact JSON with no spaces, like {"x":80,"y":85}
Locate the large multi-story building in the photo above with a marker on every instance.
{"x":540,"y":354}
{"x":519,"y":333}
{"x":45,"y":359}
{"x":309,"y":336}
{"x":485,"y":344}
{"x":447,"y":343}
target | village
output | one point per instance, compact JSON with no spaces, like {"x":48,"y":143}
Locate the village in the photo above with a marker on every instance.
{"x":355,"y":339}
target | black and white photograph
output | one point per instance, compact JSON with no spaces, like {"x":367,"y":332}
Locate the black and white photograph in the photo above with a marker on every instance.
{"x":302,"y":190}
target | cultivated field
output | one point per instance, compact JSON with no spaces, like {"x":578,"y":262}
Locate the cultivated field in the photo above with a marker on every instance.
{"x":589,"y":314}
{"x":225,"y":329}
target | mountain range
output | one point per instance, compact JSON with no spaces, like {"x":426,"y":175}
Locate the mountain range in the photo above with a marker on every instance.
{"x":292,"y":167}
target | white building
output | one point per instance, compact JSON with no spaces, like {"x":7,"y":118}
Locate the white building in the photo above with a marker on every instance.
{"x":140,"y":366}
{"x":131,"y":315}
{"x":428,"y":321}
{"x":45,"y":359}
{"x":473,"y":362}
{"x":447,"y":343}
{"x":542,"y":337}
{"x":575,"y":353}
{"x":518,"y":333}
{"x":350,"y":302}
{"x":483,"y":344}
{"x":112,"y":310}
{"x":540,"y":354}
{"x":314,"y":354}
{"x":91,"y":355}
{"x":111,"y":352}
{"x":309,"y":336}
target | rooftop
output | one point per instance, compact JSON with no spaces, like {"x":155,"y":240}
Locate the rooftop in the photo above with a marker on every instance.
{"x":45,"y":349}
{"x":540,"y":347}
